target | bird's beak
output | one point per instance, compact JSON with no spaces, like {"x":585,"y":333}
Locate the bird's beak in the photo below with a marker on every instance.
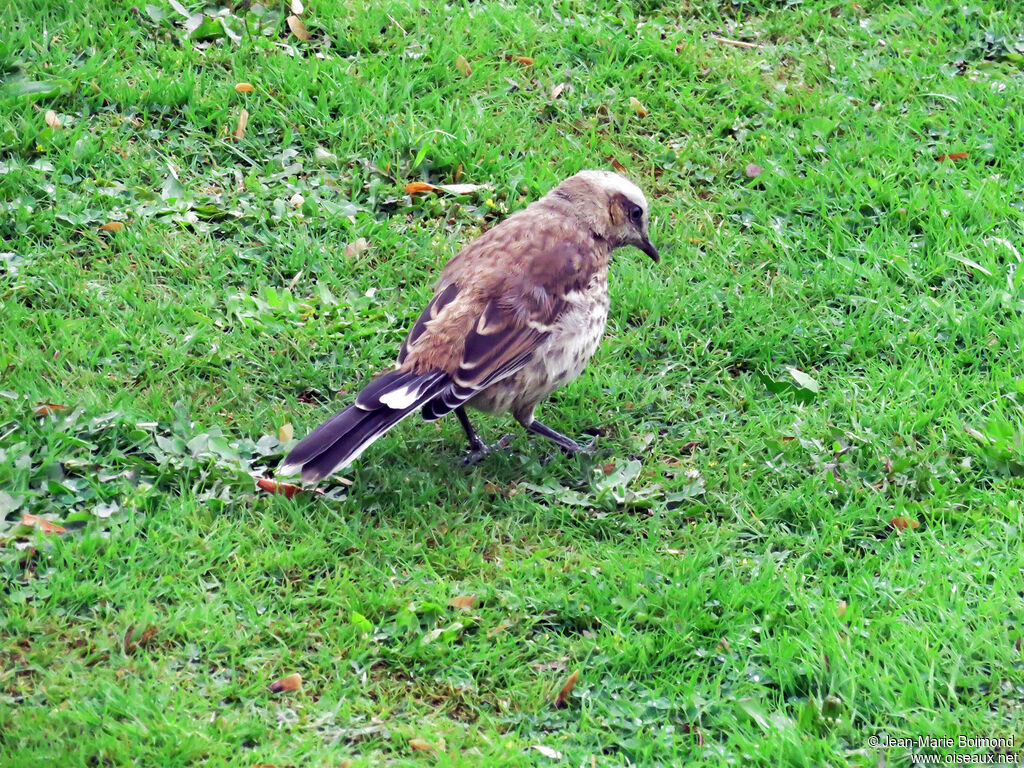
{"x":647,"y":247}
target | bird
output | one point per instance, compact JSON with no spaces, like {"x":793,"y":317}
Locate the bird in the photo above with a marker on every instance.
{"x":516,"y":313}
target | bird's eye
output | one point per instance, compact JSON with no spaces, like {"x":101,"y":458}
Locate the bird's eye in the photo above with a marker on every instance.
{"x":635,"y":215}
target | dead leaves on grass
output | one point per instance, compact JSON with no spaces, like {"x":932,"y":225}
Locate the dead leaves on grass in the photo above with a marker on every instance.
{"x":243,"y":121}
{"x":422,"y":745}
{"x":298,"y":28}
{"x":563,"y":694}
{"x":292,"y":682}
{"x":48,"y":409}
{"x":42,"y":524}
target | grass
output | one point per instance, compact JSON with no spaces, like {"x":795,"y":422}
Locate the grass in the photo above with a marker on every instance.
{"x":832,"y":341}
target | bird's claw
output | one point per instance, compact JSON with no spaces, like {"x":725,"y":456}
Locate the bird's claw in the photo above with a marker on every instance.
{"x":478,"y":452}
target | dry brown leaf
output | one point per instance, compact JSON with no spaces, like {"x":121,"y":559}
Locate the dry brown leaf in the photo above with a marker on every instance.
{"x":290,"y":682}
{"x":462,"y":601}
{"x":526,"y":61}
{"x":619,"y":167}
{"x":51,"y":119}
{"x":272,"y":486}
{"x":902,"y":523}
{"x":418,"y":186}
{"x":636,"y":106}
{"x":953,"y":156}
{"x":841,"y":608}
{"x":608,"y":468}
{"x":296,"y":200}
{"x":243,"y":120}
{"x":141,"y":641}
{"x":557,"y":90}
{"x":563,"y":694}
{"x":420,"y":745}
{"x":44,"y":525}
{"x":499,"y":629}
{"x":285,"y":432}
{"x":112,"y":226}
{"x":297,"y":8}
{"x":463,"y":66}
{"x":243,"y":88}
{"x":48,"y":409}
{"x":298,"y":28}
{"x":356,"y":247}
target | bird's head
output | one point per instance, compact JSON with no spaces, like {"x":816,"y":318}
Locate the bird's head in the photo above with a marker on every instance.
{"x":613,"y":205}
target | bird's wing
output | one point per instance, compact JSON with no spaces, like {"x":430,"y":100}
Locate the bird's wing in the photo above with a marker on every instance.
{"x":497,"y":301}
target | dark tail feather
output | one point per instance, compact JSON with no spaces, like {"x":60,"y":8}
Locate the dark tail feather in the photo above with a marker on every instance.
{"x":341,"y":439}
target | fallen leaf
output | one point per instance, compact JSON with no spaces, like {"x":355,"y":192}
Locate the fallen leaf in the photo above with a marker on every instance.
{"x":608,"y":468}
{"x":51,"y":119}
{"x":112,"y":226}
{"x":462,"y":601}
{"x":243,"y":120}
{"x":526,"y":61}
{"x":953,"y":156}
{"x":287,"y":490}
{"x":753,"y":170}
{"x":463,"y":66}
{"x":461,"y":189}
{"x":554,"y":754}
{"x":420,"y":745}
{"x":674,"y":551}
{"x":44,"y":525}
{"x":297,"y":27}
{"x":285,"y":432}
{"x":563,"y":694}
{"x":296,"y":200}
{"x":615,"y":163}
{"x":48,"y":409}
{"x":290,"y":682}
{"x":356,"y":247}
{"x":243,"y":87}
{"x":723,"y":645}
{"x":558,"y":90}
{"x":499,"y":629}
{"x":297,"y":8}
{"x":555,"y":665}
{"x":141,"y":641}
{"x":636,"y":106}
{"x":902,"y":523}
{"x":418,"y":186}
{"x":841,"y":608}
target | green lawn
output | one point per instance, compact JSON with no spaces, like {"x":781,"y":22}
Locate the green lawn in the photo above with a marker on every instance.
{"x":832,"y":341}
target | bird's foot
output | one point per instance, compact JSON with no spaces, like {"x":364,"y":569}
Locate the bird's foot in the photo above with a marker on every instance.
{"x":567,"y":444}
{"x":482,"y":449}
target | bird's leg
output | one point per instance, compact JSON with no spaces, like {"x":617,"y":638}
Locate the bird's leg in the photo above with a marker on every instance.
{"x":477,"y":447}
{"x":567,"y":444}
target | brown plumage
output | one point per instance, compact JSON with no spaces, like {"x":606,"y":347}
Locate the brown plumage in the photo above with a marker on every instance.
{"x":517,"y":313}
